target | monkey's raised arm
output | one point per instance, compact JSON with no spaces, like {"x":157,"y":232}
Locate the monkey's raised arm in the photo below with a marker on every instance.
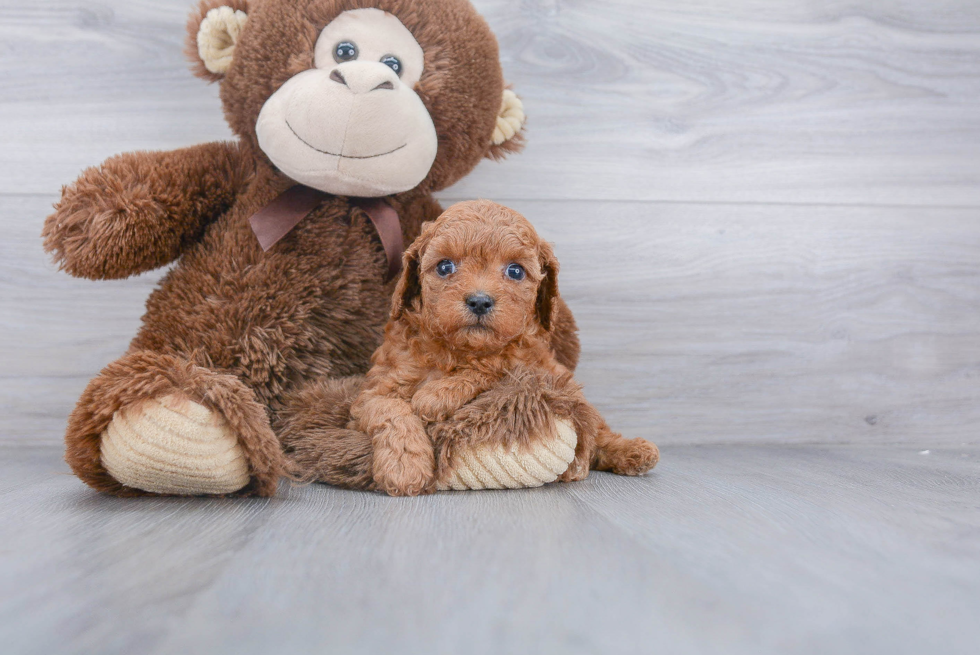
{"x":139,"y":210}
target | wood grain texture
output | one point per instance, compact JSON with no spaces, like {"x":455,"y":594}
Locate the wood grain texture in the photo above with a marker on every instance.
{"x":712,"y":323}
{"x":700,"y":323}
{"x":757,"y":101}
{"x":734,"y":549}
{"x":767,"y":218}
{"x":733,"y":319}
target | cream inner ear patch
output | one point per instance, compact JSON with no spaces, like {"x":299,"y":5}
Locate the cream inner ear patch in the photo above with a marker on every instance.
{"x":511,"y":118}
{"x":217,"y":36}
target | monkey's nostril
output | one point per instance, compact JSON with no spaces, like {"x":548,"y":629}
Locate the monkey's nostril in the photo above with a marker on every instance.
{"x":338,"y":77}
{"x":385,"y":85}
{"x":479,"y":303}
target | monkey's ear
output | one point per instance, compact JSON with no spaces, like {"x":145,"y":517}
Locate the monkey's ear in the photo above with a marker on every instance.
{"x":213,"y":32}
{"x":546,"y":306}
{"x":508,"y":134}
{"x":409,"y":285}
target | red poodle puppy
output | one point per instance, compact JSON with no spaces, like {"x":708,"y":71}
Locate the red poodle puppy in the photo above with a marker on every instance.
{"x":468,"y":360}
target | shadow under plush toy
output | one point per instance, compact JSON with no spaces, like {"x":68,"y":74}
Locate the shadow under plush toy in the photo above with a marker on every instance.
{"x":349,"y":115}
{"x":466,"y":391}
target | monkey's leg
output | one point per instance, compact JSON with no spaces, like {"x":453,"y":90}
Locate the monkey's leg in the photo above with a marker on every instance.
{"x":156,"y":423}
{"x":312,"y":426}
{"x":508,"y":437}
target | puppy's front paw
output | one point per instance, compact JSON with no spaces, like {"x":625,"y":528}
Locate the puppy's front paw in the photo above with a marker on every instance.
{"x":409,"y":475}
{"x":431,"y":406}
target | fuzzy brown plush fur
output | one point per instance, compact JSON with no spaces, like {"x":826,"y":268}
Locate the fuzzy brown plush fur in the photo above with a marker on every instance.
{"x":448,"y":378}
{"x":232,"y":327}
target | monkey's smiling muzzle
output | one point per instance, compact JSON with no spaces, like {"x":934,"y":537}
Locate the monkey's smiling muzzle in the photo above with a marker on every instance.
{"x":353,"y":125}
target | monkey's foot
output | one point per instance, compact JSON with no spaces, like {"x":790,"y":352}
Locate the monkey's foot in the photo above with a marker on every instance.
{"x":172,"y":445}
{"x":500,"y":467}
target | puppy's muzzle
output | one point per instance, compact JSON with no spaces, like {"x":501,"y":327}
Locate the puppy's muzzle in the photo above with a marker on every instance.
{"x":479,"y":303}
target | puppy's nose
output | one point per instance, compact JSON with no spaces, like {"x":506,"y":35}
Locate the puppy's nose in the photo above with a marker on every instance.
{"x":479,"y":303}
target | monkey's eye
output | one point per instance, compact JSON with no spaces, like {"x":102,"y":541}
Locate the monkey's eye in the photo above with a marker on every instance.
{"x":515,"y":272}
{"x":392,"y":62}
{"x":445,"y":268}
{"x":344,"y":51}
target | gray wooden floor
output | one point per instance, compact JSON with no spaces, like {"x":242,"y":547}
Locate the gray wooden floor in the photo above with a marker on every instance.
{"x":768,"y":218}
{"x":724,"y":549}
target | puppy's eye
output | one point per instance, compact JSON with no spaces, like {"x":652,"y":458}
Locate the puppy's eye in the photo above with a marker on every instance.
{"x":515,"y":272}
{"x":344,"y":51}
{"x":445,"y":267}
{"x":392,"y":62}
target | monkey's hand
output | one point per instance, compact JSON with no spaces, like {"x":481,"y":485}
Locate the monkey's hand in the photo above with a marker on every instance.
{"x":138,"y":211}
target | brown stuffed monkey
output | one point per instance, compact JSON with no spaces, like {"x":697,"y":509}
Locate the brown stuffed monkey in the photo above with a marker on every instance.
{"x":334,"y":102}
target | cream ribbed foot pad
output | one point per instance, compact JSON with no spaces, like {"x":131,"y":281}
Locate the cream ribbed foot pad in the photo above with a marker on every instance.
{"x":497,"y":467}
{"x":172,"y":445}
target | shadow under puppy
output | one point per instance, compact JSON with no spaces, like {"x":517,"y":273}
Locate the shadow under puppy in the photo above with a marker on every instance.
{"x":465,"y":391}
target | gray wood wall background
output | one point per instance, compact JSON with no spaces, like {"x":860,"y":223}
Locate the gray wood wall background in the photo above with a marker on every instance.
{"x":767,"y":211}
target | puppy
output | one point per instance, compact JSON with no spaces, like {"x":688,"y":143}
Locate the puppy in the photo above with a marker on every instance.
{"x":473,"y":313}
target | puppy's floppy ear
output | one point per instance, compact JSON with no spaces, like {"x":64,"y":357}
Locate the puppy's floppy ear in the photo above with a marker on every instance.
{"x":409,"y":285}
{"x":213,"y":32}
{"x":545,"y":306}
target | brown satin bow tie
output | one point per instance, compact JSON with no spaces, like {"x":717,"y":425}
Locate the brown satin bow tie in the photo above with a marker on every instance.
{"x":275,"y":220}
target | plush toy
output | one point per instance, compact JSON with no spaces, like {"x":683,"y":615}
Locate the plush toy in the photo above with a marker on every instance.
{"x":349,"y":115}
{"x":466,"y":391}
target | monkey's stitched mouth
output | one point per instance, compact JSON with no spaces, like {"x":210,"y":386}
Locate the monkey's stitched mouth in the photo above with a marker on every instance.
{"x":335,"y":154}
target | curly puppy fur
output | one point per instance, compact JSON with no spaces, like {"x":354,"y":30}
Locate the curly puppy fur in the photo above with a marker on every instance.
{"x":447,"y":377}
{"x":233,"y":327}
